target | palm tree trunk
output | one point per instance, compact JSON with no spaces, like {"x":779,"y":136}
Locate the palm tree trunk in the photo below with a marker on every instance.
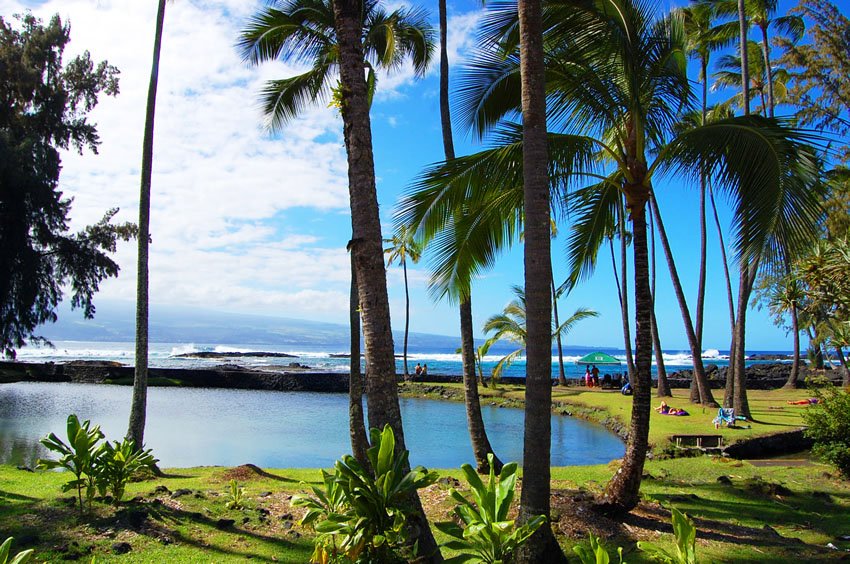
{"x":705,"y":396}
{"x":138,"y":406}
{"x":745,"y":61}
{"x":795,"y":365}
{"x":406,"y":316}
{"x":739,"y":397}
{"x":542,"y":546}
{"x":562,"y":377}
{"x":356,"y":425}
{"x":845,"y":370}
{"x":663,"y":389}
{"x":475,"y":422}
{"x":624,"y":267}
{"x":765,"y":47}
{"x":381,"y":385}
{"x":477,"y":433}
{"x":622,"y":492}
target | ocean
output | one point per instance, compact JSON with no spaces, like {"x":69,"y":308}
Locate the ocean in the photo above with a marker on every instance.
{"x":168,"y":355}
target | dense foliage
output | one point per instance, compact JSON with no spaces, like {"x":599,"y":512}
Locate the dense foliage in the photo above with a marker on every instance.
{"x":829,"y":426}
{"x":44,"y":110}
{"x":360,"y":516}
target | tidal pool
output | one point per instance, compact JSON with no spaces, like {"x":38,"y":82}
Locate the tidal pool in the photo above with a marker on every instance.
{"x":207,"y":426}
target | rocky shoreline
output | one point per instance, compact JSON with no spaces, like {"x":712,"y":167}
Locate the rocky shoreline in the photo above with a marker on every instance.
{"x":298,"y":377}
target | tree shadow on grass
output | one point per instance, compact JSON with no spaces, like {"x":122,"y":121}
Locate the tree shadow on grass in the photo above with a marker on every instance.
{"x":9,"y":496}
{"x":160,"y":522}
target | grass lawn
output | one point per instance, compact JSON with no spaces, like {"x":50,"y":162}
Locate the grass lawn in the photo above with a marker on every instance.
{"x":751,"y":514}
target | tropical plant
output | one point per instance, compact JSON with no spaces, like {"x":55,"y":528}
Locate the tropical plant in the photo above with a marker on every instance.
{"x":596,"y":554}
{"x":362,"y":516}
{"x":79,"y":456}
{"x":235,"y":496}
{"x":685,"y":532}
{"x":20,"y":558}
{"x":487,"y":534}
{"x":117,"y":463}
{"x":617,"y":82}
{"x":402,"y":246}
{"x":349,"y":36}
{"x":511,"y":325}
{"x":138,"y":405}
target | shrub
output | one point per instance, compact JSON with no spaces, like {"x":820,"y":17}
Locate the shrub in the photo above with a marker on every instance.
{"x":828,"y":424}
{"x":686,"y":544}
{"x":96,"y":467}
{"x":487,"y":535}
{"x":235,"y":496}
{"x":117,"y":463}
{"x":20,"y":558}
{"x":360,"y":517}
{"x":596,"y":554}
{"x":79,"y":456}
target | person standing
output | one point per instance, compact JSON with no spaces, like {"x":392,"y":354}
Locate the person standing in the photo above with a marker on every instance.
{"x":588,"y":379}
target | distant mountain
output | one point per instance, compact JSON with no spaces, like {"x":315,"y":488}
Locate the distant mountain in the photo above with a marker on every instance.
{"x":115,"y":321}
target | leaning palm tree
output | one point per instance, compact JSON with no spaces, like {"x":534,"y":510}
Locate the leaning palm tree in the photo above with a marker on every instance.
{"x":138,"y":407}
{"x":349,"y":36}
{"x":616,"y":79}
{"x":510,"y":325}
{"x":402,"y":247}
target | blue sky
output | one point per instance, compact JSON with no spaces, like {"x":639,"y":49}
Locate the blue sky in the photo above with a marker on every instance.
{"x":244,"y":221}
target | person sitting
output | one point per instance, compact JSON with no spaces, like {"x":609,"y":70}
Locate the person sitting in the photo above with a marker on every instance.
{"x":606,"y":381}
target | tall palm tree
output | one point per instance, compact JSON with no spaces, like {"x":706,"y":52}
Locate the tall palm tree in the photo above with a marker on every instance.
{"x":542,"y":546}
{"x":356,"y":424}
{"x":138,"y":407}
{"x":616,"y":82}
{"x":402,"y":247}
{"x":511,"y":325}
{"x":351,"y":37}
{"x":475,"y":422}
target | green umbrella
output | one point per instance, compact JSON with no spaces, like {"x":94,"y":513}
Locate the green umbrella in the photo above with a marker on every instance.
{"x":598,"y":358}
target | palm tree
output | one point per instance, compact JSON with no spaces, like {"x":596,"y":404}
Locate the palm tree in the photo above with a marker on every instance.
{"x":616,"y":79}
{"x":350,"y":36}
{"x":356,"y":425}
{"x":542,"y":546}
{"x":403,"y":247}
{"x":138,"y":407}
{"x":511,"y":325}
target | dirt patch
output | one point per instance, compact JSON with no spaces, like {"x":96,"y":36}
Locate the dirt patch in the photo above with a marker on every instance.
{"x":245,"y":473}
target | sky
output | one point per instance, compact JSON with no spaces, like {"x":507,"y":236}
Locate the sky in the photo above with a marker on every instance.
{"x":246,"y":221}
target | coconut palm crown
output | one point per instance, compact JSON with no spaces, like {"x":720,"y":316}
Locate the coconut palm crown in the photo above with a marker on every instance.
{"x":302,"y":32}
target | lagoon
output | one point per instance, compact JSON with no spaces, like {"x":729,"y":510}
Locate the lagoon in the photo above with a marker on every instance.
{"x":203,"y":426}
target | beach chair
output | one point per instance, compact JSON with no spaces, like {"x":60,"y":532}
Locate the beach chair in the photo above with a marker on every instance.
{"x":725,"y":415}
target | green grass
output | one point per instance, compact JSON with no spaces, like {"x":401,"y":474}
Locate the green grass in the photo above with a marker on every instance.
{"x":769,"y":408}
{"x":808,"y":503}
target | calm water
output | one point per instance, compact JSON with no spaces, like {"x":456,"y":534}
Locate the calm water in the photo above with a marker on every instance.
{"x":197,"y":427}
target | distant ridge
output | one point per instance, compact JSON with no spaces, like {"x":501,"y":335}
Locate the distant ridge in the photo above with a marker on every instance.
{"x":115,"y":321}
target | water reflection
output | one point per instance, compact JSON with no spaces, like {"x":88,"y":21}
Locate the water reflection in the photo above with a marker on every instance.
{"x":195,"y":427}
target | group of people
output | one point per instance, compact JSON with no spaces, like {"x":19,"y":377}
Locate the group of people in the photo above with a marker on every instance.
{"x":421,"y":370}
{"x":591,"y":376}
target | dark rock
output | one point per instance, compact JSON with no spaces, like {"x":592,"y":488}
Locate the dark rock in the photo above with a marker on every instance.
{"x":725,"y":480}
{"x":211,"y":354}
{"x":181,"y":492}
{"x":264,"y":494}
{"x":771,"y":445}
{"x":121,"y":547}
{"x":132,"y":517}
{"x":286,"y":525}
{"x":295,"y":534}
{"x":286,"y":517}
{"x":246,"y":520}
{"x":160,"y":489}
{"x":225,"y":523}
{"x":25,"y":468}
{"x":770,"y":530}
